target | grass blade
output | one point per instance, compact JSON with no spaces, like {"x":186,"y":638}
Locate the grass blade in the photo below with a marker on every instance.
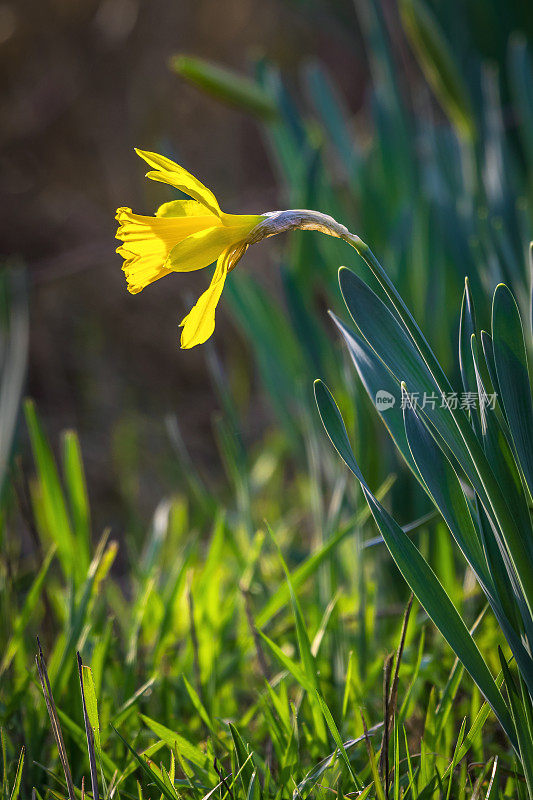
{"x":90,"y":731}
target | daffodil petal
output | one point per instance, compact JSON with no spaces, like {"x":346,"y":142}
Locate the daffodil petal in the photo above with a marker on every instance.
{"x":185,"y":185}
{"x":184,"y":208}
{"x":238,"y":220}
{"x":156,"y":160}
{"x":199,"y":323}
{"x":168,"y":171}
{"x":148,"y":241}
{"x":202,"y":248}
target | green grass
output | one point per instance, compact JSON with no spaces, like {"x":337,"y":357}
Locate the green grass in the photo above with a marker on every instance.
{"x":203,"y":643}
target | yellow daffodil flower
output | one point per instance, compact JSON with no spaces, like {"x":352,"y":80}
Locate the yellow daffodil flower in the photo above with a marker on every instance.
{"x":184,"y":235}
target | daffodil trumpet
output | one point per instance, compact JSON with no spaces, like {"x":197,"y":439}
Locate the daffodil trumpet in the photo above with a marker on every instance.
{"x":187,"y":235}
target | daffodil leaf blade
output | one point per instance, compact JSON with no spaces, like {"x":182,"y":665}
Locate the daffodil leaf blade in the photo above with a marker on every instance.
{"x":382,"y":387}
{"x":415,"y":570}
{"x":445,"y":489}
{"x":438,"y":64}
{"x":226,"y":85}
{"x":513,"y":376}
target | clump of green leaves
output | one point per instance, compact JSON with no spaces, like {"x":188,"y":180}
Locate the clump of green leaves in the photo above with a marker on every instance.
{"x":473,"y":463}
{"x":219,"y":664}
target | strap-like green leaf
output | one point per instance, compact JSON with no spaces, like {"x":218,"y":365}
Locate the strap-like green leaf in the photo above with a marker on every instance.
{"x":185,"y":748}
{"x":417,"y":573}
{"x":226,"y":85}
{"x":244,"y":757}
{"x":438,"y":64}
{"x":513,"y":376}
{"x":521,"y":715}
{"x":444,"y":486}
{"x":382,"y":387}
{"x":18,"y":777}
{"x":396,"y":347}
{"x":54,"y":509}
{"x":467,"y":329}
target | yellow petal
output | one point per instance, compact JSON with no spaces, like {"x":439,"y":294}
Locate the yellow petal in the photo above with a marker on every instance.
{"x":240,"y":220}
{"x":147,"y":242}
{"x":201,"y":249}
{"x":184,"y":208}
{"x":199,"y":323}
{"x":169,"y":172}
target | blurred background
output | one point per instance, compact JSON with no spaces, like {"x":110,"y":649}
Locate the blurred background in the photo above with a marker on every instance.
{"x":85,"y":81}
